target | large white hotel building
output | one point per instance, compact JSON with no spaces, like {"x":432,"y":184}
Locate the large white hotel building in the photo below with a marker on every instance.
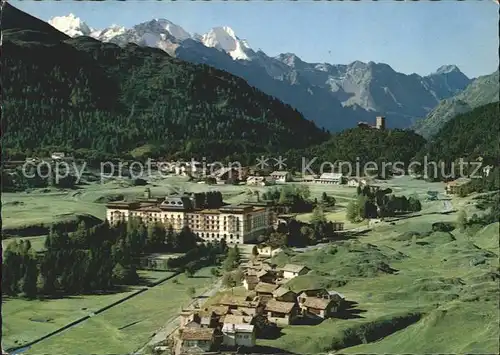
{"x":236,"y":224}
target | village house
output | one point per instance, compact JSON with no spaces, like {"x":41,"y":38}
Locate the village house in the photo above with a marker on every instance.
{"x":267,"y":276}
{"x":265,"y":290}
{"x":238,"y":331}
{"x":202,"y":338}
{"x":336,"y":301}
{"x":353,"y":182}
{"x":283,"y":219}
{"x":339,"y":300}
{"x":487,"y":169}
{"x":284,"y":294}
{"x":292,"y":270}
{"x":282,"y":313}
{"x":250,"y":281}
{"x":253,"y":266}
{"x":199,"y":318}
{"x":317,"y":292}
{"x":180,"y":169}
{"x":281,"y":176}
{"x":240,"y":304}
{"x":309,"y":178}
{"x":57,"y":156}
{"x":315,"y":307}
{"x":260,"y":181}
{"x":338,"y":226}
{"x":267,"y":250}
{"x":453,"y":187}
{"x":330,"y":178}
{"x":226,"y":175}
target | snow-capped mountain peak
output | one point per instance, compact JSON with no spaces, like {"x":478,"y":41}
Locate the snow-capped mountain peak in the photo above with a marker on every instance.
{"x":70,"y":25}
{"x":108,"y":33}
{"x":224,"y":38}
{"x":176,"y":31}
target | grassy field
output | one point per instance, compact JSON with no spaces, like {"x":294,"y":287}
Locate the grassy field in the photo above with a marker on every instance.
{"x":339,"y":215}
{"x":421,"y":293}
{"x":24,"y":321}
{"x":55,"y":205}
{"x":128,"y":326}
{"x":426,"y":292}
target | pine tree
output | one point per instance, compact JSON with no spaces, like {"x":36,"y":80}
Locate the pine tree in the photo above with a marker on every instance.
{"x":352,"y":213}
{"x":255,"y":251}
{"x":318,"y":216}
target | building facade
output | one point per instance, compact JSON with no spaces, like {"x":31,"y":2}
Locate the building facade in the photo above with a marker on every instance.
{"x":330,"y":178}
{"x":291,"y":270}
{"x":236,"y":224}
{"x":238,"y":331}
{"x":281,"y":176}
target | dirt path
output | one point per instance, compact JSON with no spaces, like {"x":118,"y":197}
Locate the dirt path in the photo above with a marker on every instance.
{"x":173,"y":323}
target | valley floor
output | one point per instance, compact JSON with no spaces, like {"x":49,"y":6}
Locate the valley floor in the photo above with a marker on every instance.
{"x":414,"y":291}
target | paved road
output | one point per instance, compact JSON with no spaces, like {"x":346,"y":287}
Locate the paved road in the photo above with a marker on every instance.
{"x":173,"y":323}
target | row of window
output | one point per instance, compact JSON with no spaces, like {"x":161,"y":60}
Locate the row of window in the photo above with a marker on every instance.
{"x":217,"y":235}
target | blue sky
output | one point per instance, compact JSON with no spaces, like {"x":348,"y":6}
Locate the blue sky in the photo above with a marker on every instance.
{"x":412,"y":37}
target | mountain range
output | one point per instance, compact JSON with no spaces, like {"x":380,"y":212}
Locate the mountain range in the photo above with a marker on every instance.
{"x":98,"y":101}
{"x":482,"y":91}
{"x":335,"y":97}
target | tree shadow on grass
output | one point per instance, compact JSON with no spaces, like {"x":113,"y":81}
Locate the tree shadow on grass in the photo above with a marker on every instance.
{"x":350,"y":311}
{"x":308,"y":321}
{"x":63,"y":295}
{"x":200,"y":277}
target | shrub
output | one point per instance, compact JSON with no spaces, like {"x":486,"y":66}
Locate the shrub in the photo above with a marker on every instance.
{"x":443,"y":227}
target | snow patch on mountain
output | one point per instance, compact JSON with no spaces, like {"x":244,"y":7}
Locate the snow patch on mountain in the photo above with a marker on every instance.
{"x":70,"y":25}
{"x":109,"y":33}
{"x":224,"y":38}
{"x":176,"y":31}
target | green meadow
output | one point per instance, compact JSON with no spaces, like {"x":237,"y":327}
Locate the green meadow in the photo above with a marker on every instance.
{"x":412,"y":289}
{"x":128,"y":326}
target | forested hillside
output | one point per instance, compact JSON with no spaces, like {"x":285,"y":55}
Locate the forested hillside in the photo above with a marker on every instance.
{"x":369,"y":145}
{"x":91,"y":98}
{"x":469,"y":135}
{"x":481,"y":91}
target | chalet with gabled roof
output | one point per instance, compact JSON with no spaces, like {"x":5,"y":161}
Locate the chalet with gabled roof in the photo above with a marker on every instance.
{"x":283,"y":313}
{"x":293,"y":270}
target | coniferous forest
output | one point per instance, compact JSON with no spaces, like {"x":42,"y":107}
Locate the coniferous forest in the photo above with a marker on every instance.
{"x":98,"y":101}
{"x":89,"y":97}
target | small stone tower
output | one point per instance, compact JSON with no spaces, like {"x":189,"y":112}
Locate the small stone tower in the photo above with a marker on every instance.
{"x":380,"y":123}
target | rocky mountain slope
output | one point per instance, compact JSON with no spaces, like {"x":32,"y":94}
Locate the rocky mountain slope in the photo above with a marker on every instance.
{"x":333,"y":96}
{"x":93,"y":98}
{"x":481,"y":91}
